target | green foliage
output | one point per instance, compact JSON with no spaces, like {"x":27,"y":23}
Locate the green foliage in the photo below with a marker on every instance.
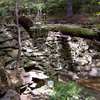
{"x":52,"y":7}
{"x":56,"y":6}
{"x":5,"y":5}
{"x":25,"y":6}
{"x":69,"y":91}
{"x":98,"y":26}
{"x":60,"y":6}
{"x":98,"y":3}
{"x":76,"y":5}
{"x":97,"y":13}
{"x":89,"y":6}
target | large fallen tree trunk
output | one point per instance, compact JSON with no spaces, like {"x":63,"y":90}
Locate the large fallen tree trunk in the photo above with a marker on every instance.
{"x":72,"y":30}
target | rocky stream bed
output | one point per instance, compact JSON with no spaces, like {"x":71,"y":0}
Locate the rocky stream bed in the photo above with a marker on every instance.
{"x":45,"y":56}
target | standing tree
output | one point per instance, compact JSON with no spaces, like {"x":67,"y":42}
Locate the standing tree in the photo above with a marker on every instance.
{"x":19,"y":35}
{"x":69,"y":8}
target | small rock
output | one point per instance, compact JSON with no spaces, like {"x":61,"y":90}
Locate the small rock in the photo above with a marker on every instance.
{"x":29,"y":76}
{"x":69,"y":38}
{"x":44,"y":90}
{"x":91,"y":51}
{"x":87,"y":68}
{"x":29,"y":50}
{"x":11,"y":66}
{"x":26,"y":97}
{"x":27,"y":79}
{"x":75,"y":77}
{"x":37,"y":74}
{"x":92,"y":65}
{"x":84,"y":62}
{"x":98,"y":64}
{"x":84,"y":74}
{"x":50,"y":83}
{"x":86,"y":47}
{"x":3,"y":90}
{"x":27,"y":91}
{"x":75,"y":97}
{"x":37,"y":53}
{"x":33,"y":85}
{"x":93,"y":72}
{"x":49,"y":38}
{"x":78,"y":68}
{"x":70,"y":73}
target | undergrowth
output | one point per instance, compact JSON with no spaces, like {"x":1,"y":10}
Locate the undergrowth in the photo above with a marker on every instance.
{"x":69,"y":91}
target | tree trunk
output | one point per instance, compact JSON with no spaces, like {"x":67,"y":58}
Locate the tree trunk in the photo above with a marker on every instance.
{"x":19,"y":35}
{"x":69,"y":8}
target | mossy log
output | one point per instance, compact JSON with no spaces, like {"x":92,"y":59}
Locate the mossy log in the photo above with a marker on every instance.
{"x":66,"y":29}
{"x":73,"y":30}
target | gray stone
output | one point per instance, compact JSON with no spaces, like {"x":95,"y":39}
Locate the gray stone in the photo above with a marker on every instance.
{"x":49,"y":39}
{"x":44,"y":90}
{"x":13,"y":53}
{"x":95,"y":72}
{"x":11,"y":95}
{"x":11,"y":65}
{"x":27,"y":91}
{"x":75,"y":77}
{"x":26,"y":97}
{"x":87,"y":68}
{"x":33,"y":85}
{"x":29,"y":50}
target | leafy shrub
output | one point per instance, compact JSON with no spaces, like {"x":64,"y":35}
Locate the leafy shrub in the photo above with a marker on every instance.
{"x":56,"y":6}
{"x":69,"y":91}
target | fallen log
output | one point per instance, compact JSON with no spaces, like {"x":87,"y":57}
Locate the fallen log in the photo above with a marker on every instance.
{"x":72,"y":30}
{"x":65,"y":29}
